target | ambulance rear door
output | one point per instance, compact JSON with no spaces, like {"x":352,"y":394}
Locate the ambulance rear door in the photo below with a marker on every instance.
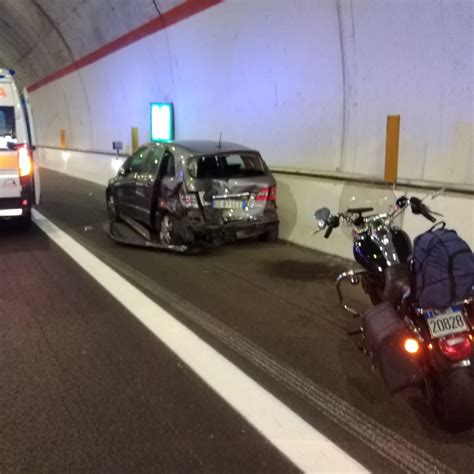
{"x":30,"y":126}
{"x":10,"y":187}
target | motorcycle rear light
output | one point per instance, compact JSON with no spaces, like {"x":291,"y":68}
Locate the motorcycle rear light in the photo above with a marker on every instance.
{"x":456,"y":348}
{"x":24,"y":202}
{"x":24,"y":160}
{"x":411,"y":345}
{"x":187,"y":200}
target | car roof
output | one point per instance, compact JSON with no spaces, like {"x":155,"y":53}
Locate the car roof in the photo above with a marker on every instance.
{"x":207,"y":147}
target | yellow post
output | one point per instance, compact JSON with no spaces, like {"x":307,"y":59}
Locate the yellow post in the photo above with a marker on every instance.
{"x":391,"y":149}
{"x":134,"y":139}
{"x":62,"y":138}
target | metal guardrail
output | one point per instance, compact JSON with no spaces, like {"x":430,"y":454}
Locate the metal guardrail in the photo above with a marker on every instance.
{"x":429,"y":186}
{"x":92,"y":152}
{"x":448,"y":187}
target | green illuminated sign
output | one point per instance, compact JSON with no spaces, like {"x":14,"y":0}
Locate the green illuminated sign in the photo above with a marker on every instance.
{"x":161,"y":122}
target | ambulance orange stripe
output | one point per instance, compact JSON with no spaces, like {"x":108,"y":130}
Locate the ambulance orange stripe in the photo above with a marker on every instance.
{"x":8,"y":161}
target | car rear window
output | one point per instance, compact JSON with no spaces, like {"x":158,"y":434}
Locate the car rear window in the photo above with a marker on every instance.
{"x":7,"y":126}
{"x":230,"y":165}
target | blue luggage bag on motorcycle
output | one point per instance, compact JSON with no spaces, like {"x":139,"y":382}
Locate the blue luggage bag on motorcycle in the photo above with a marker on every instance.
{"x":443,"y":267}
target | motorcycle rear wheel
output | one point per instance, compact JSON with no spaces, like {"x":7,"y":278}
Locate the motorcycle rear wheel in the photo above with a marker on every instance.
{"x":451,"y":398}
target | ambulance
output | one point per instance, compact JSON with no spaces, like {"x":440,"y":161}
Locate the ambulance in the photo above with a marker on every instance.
{"x":19,"y":171}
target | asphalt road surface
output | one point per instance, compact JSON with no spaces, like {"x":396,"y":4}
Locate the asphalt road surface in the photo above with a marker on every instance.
{"x":85,"y":385}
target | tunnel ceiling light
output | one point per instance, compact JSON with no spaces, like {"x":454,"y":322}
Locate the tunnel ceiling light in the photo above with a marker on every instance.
{"x":161,"y":121}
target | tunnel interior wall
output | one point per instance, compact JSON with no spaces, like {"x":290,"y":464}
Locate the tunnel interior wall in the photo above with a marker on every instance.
{"x":309,"y":84}
{"x":298,"y":198}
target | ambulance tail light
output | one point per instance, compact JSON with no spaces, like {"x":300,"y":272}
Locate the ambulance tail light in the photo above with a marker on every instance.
{"x":24,"y":161}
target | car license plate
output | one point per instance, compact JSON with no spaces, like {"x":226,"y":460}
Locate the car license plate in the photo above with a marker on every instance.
{"x":228,"y":204}
{"x":446,"y":322}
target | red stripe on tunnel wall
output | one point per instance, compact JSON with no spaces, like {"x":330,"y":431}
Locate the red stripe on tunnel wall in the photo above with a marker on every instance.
{"x":171,"y":17}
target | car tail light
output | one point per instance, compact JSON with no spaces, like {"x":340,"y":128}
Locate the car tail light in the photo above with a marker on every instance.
{"x":188,"y":200}
{"x":266,"y":194}
{"x":262,"y":195}
{"x":272,"y":196}
{"x":456,"y":348}
{"x":24,"y":160}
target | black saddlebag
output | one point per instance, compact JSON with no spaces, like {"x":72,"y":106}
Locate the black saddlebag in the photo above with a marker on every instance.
{"x":384,"y":337}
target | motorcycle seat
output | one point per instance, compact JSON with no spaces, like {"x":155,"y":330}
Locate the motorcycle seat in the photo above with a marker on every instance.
{"x":397,"y":283}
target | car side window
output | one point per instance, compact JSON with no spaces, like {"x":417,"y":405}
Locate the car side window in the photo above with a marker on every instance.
{"x":137,"y":160}
{"x":153,"y":160}
{"x":167,"y":164}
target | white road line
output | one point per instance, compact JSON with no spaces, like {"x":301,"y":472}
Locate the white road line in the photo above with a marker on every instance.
{"x":387,"y":443}
{"x":308,"y":449}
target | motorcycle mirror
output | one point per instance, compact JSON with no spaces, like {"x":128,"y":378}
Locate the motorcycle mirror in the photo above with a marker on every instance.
{"x":322,"y":214}
{"x":416,"y":205}
{"x":322,"y":218}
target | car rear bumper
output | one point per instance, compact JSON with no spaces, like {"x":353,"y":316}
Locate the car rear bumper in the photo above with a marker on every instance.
{"x":239,"y":228}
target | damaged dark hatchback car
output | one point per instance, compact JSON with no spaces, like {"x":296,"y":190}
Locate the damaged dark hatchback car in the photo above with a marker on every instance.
{"x":185,"y":192}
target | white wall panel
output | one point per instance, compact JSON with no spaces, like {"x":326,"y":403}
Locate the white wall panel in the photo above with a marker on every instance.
{"x":298,"y":198}
{"x":309,"y":83}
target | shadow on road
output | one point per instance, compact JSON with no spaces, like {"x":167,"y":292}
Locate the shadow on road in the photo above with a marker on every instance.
{"x":15,"y":238}
{"x":303,"y":271}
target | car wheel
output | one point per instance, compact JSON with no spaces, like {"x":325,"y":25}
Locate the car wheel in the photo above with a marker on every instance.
{"x":271,"y":235}
{"x":112,"y":210}
{"x":168,"y":234}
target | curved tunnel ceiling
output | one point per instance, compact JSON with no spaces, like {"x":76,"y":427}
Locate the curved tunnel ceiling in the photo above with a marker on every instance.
{"x":38,"y":37}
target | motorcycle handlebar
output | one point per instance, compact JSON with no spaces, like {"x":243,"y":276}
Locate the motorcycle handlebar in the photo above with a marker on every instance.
{"x":417,"y":207}
{"x":425,"y":213}
{"x":328,"y":231}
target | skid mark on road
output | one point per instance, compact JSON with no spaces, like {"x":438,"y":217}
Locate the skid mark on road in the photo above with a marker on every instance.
{"x":301,"y":443}
{"x":385,"y":442}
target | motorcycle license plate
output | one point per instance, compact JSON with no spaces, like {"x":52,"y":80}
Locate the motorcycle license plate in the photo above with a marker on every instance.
{"x":444,"y":323}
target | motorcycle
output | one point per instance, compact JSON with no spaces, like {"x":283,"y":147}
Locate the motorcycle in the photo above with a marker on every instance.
{"x":412,"y":346}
